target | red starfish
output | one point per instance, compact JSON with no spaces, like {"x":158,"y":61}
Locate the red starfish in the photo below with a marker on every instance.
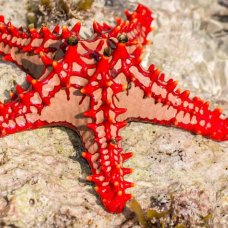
{"x":96,"y":87}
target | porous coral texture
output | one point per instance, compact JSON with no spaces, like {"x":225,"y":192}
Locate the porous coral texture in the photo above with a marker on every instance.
{"x":42,"y":174}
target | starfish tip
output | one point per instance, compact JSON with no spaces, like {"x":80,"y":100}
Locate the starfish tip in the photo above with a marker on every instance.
{"x":89,"y":178}
{"x":54,"y":64}
{"x":120,"y":193}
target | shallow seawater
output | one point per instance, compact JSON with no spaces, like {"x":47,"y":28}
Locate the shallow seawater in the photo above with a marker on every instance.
{"x":190,"y":44}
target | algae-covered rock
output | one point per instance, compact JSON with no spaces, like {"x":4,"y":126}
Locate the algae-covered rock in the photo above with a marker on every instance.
{"x":52,"y":11}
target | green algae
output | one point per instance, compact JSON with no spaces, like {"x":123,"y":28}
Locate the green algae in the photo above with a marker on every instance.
{"x":137,"y":209}
{"x":85,"y":4}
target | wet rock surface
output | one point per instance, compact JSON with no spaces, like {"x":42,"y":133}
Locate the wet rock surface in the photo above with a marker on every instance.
{"x":42,"y":175}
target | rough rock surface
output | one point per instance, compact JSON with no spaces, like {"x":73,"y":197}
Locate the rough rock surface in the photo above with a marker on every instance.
{"x":42,"y":176}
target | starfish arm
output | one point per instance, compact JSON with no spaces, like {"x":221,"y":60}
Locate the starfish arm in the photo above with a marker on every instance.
{"x":136,"y":27}
{"x":22,"y":48}
{"x":21,"y":113}
{"x":106,"y":157}
{"x":152,"y":99}
{"x":13,"y":120}
{"x":46,"y":103}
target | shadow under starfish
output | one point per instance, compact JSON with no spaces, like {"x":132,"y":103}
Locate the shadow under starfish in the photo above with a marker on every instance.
{"x":95,"y":87}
